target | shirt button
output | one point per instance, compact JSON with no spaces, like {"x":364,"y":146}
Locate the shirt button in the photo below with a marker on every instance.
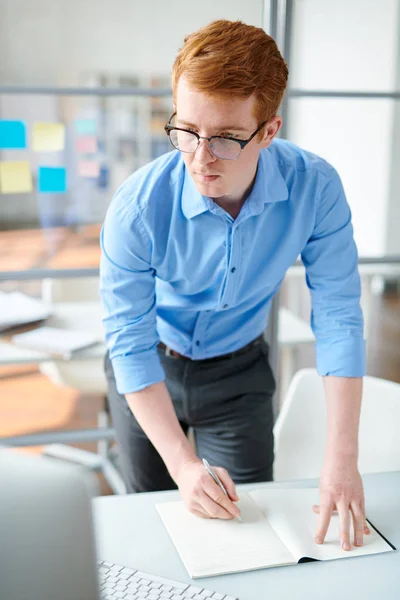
{"x":233,"y":269}
{"x":225,"y":306}
{"x":197,"y":343}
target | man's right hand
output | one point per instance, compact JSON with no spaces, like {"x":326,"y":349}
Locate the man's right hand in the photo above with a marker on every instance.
{"x":202,"y":496}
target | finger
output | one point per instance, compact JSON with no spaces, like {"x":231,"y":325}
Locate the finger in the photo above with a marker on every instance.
{"x":325,"y":514}
{"x":367,"y":530}
{"x":227,"y":482}
{"x":344,"y":525}
{"x":215,"y":493}
{"x":213,"y":509}
{"x":200,"y":513}
{"x":358,"y":523}
{"x":316,"y":509}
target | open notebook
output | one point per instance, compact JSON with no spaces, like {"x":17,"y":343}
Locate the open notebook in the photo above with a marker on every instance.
{"x":278,"y":529}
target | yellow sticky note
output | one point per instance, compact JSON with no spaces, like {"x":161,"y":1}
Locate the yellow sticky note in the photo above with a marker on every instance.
{"x":48,"y":137}
{"x":15,"y":177}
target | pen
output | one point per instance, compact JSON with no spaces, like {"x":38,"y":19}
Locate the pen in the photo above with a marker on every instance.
{"x":218,"y":481}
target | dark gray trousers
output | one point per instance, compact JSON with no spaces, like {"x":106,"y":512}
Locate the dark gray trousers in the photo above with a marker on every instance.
{"x":228,"y":403}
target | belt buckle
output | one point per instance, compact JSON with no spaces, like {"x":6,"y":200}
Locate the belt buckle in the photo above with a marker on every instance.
{"x":168,"y":351}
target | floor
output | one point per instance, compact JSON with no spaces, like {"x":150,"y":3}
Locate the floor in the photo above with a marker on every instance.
{"x":29,"y":402}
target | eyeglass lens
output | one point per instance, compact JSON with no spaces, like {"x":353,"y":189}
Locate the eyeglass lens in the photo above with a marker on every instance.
{"x":220,"y":147}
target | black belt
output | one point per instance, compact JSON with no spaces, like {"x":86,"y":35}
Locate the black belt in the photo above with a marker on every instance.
{"x":243,"y":350}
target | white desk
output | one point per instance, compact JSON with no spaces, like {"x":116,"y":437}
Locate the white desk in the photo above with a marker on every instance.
{"x":130,"y":532}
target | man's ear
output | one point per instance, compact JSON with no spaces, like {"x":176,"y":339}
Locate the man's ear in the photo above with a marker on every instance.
{"x":270,"y":131}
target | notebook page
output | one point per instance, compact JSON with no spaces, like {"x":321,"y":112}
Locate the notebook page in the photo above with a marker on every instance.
{"x":290,"y":514}
{"x":215,"y":546}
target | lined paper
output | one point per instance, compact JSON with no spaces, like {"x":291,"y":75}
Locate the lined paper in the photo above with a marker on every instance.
{"x":215,"y":546}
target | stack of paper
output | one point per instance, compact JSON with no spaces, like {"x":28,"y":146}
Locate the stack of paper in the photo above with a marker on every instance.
{"x":20,"y":309}
{"x":57,"y":341}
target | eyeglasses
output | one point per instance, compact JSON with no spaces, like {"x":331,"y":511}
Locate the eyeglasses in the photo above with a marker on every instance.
{"x":221,"y":146}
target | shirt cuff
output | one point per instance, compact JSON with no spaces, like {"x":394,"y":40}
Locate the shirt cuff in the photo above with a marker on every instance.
{"x":134,"y":372}
{"x":341,"y":358}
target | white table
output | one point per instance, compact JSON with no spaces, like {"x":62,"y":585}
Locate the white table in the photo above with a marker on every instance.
{"x":130,"y":532}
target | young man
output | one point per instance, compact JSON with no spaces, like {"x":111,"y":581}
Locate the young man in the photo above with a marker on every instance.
{"x":194,"y":246}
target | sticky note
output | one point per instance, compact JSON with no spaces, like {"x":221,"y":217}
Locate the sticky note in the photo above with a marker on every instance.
{"x":15,"y":177}
{"x":86,"y":126}
{"x":89,"y":168}
{"x":48,"y":137}
{"x":52,"y":179}
{"x":86,"y":144}
{"x":12,"y":135}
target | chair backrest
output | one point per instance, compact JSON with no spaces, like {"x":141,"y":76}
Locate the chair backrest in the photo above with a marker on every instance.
{"x":86,"y":375}
{"x":300,"y":429}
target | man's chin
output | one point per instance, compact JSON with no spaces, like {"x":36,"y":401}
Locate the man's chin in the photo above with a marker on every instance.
{"x":211,"y":189}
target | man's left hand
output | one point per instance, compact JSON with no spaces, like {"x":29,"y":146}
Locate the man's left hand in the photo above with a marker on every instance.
{"x":341,"y":491}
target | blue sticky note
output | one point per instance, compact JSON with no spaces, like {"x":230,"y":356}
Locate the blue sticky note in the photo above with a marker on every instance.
{"x":12,"y":135}
{"x":52,"y":179}
{"x":85,"y":126}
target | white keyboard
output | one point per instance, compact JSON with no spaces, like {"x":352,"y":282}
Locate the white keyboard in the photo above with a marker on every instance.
{"x":117,"y":581}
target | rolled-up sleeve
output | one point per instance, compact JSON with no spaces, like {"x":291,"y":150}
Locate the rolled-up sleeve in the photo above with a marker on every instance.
{"x":331,"y":261}
{"x":127,"y":289}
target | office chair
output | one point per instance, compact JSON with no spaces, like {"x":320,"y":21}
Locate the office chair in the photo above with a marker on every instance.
{"x":300,"y":429}
{"x":70,"y":296}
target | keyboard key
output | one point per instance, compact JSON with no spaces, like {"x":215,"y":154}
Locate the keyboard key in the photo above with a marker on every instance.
{"x":128,"y":571}
{"x":206,"y":593}
{"x":119,"y":595}
{"x":217,"y":596}
{"x":175,"y":584}
{"x":194,"y":589}
{"x":153,"y":596}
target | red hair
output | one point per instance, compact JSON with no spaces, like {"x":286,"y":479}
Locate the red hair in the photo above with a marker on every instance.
{"x":230,"y":58}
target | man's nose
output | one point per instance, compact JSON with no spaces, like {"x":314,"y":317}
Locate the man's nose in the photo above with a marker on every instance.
{"x":203,"y":152}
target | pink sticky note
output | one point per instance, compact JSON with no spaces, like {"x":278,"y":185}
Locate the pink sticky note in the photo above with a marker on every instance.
{"x":89,"y":168}
{"x":86,"y":144}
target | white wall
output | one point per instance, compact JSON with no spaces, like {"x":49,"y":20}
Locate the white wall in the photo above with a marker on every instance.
{"x":52,"y":41}
{"x":350,"y":45}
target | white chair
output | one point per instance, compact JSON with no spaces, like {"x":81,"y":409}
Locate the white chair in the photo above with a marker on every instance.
{"x":300,"y":429}
{"x":76,"y":304}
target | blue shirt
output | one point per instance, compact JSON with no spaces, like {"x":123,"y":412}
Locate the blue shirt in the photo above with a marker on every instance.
{"x":176,"y":267}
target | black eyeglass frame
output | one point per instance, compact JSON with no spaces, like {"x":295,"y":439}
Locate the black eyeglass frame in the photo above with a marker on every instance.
{"x":242,"y":143}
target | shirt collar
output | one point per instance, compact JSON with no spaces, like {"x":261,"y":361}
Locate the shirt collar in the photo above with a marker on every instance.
{"x":269,"y":186}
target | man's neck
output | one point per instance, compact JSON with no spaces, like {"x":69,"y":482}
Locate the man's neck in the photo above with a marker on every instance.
{"x":232,"y":208}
